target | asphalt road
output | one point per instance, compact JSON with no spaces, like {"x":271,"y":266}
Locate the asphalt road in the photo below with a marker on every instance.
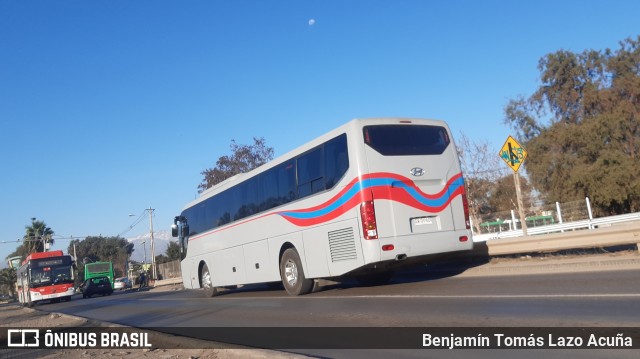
{"x":610,"y":298}
{"x":593,"y":299}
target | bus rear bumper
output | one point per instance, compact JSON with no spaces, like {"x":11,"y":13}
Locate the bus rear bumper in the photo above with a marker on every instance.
{"x":418,"y":249}
{"x":416,"y":245}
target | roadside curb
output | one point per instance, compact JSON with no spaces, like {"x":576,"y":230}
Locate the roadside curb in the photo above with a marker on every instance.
{"x":164,"y":282}
{"x":541,"y":265}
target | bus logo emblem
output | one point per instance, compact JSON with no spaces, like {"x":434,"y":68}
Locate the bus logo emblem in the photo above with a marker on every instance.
{"x":417,"y":171}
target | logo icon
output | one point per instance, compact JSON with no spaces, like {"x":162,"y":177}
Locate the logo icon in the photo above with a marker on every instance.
{"x":23,"y":338}
{"x":416,"y":171}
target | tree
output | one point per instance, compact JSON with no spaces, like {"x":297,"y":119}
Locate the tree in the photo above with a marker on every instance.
{"x":21,"y":251}
{"x":481,"y":169}
{"x":581,"y":127}
{"x":8,"y":281}
{"x":243,"y":159}
{"x":502,"y":196}
{"x":36,"y":235}
{"x":161,"y":258}
{"x":173,"y":251}
{"x":103,"y":249}
{"x":171,"y":254}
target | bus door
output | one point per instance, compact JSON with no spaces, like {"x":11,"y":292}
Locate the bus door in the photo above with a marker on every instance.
{"x":412,"y":166}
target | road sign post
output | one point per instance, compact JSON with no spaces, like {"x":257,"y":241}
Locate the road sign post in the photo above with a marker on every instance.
{"x":513,"y":154}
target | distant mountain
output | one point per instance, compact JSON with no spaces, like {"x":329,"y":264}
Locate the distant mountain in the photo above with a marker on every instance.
{"x":142,"y":242}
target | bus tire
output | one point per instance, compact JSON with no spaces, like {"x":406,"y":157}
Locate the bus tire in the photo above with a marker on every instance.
{"x":207,"y":283}
{"x":292,"y":274}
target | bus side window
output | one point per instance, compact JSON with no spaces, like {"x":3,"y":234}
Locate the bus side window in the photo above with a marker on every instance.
{"x":310,"y":173}
{"x":336,"y":160}
{"x":287,"y":182}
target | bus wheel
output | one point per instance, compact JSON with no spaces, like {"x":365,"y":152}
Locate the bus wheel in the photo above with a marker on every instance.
{"x":292,"y":274}
{"x":207,"y":283}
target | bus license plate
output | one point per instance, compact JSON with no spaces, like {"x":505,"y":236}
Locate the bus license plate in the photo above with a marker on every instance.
{"x":421,"y":221}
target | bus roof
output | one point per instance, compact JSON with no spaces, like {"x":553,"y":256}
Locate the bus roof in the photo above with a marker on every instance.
{"x":358,"y":122}
{"x":39,"y":255}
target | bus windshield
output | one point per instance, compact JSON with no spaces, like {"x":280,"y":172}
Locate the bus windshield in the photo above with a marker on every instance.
{"x":48,"y":272}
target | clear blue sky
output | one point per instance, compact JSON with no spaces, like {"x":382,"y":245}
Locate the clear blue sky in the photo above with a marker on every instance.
{"x":109,"y":107}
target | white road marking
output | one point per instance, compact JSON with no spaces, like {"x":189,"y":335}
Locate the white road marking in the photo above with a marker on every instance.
{"x":417,"y":296}
{"x":504,"y":296}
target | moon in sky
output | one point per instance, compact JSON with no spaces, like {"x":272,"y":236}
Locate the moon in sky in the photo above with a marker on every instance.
{"x":312,"y":22}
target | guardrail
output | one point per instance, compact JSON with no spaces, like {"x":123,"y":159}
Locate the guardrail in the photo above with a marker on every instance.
{"x":604,"y":236}
{"x":561,"y":227}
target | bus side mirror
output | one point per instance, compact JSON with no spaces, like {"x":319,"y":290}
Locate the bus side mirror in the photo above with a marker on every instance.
{"x":174,"y":230}
{"x":185,"y":230}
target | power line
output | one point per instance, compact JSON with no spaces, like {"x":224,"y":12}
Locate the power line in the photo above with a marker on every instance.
{"x":13,"y":242}
{"x":137,"y":221}
{"x":38,"y":239}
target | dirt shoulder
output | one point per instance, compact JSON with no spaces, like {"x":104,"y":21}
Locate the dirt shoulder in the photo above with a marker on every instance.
{"x":15,"y":316}
{"x":557,"y":263}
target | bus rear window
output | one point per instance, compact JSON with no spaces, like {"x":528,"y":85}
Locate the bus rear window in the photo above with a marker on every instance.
{"x":406,"y":140}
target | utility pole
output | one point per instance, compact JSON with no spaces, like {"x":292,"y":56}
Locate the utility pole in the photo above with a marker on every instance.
{"x":153,"y":252}
{"x":144,"y":246}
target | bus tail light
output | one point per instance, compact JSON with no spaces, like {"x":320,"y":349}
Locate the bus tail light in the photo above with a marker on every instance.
{"x":465,"y":204}
{"x":368,"y":216}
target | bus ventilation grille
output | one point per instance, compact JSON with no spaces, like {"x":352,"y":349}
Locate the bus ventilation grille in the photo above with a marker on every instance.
{"x":342,"y":245}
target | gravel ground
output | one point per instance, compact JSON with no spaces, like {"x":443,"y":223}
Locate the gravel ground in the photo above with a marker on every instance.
{"x":15,"y":316}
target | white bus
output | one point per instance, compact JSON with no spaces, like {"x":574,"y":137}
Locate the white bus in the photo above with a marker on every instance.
{"x":355,"y":201}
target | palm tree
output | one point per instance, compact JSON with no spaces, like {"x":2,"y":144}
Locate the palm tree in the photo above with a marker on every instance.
{"x":8,"y":280}
{"x":36,"y":235}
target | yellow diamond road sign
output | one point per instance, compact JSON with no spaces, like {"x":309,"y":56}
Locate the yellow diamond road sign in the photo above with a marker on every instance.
{"x":513,"y":154}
